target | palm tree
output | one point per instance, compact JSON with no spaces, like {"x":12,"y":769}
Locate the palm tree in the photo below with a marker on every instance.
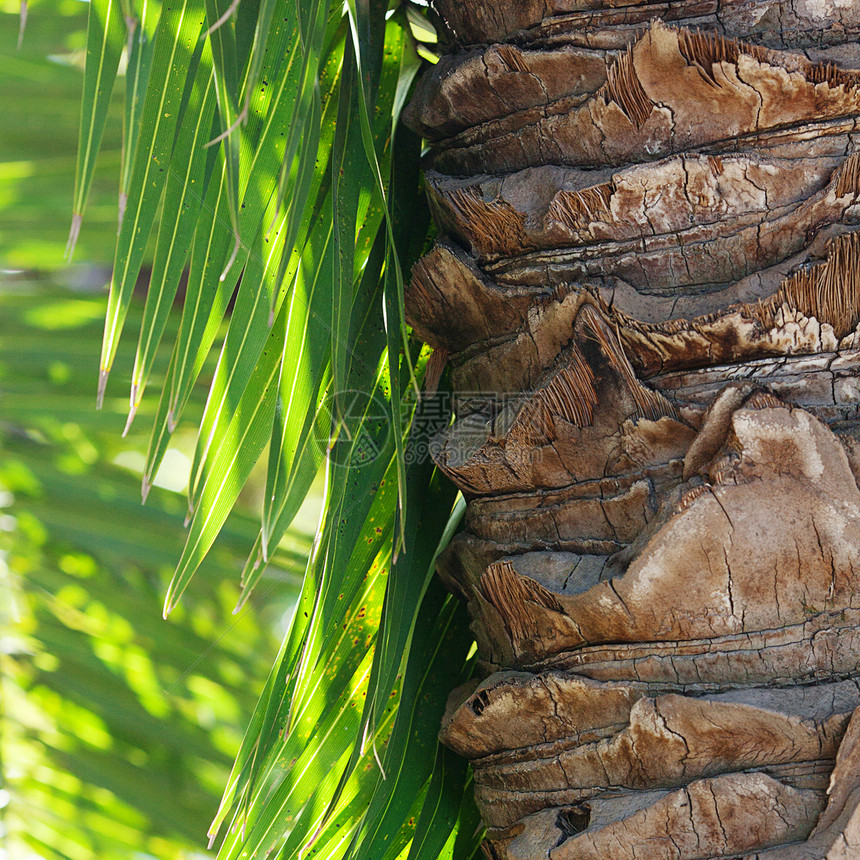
{"x":647,"y":292}
{"x":646,"y":299}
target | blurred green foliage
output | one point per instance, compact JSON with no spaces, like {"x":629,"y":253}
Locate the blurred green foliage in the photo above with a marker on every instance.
{"x":117,"y":729}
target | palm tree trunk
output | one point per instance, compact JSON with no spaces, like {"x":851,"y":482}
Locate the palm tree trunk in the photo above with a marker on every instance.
{"x":648,"y":288}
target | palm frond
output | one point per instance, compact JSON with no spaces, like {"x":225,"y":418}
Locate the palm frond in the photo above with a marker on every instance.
{"x":104,"y":47}
{"x":297,"y":235}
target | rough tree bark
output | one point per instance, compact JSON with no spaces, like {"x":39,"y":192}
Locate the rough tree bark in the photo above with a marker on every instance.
{"x":648,"y":288}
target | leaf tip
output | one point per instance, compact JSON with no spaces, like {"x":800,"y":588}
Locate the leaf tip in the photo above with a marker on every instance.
{"x":240,"y":120}
{"x":22,"y":23}
{"x":223,"y":19}
{"x":232,"y":259}
{"x":123,"y":199}
{"x":100,"y":393}
{"x":240,"y":603}
{"x":131,"y":413}
{"x":171,"y":420}
{"x":74,"y":232}
{"x":145,"y":487}
{"x":379,"y":762}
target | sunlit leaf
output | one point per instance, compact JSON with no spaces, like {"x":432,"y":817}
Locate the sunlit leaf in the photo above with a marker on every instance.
{"x":176,"y":39}
{"x":297,"y":227}
{"x":183,"y":198}
{"x":105,"y":39}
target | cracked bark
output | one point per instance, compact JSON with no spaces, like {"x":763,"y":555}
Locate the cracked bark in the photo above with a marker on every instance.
{"x":648,"y":288}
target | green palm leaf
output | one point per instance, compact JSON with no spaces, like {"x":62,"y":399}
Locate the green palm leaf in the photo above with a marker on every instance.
{"x":176,"y":39}
{"x":240,"y":446}
{"x":183,"y":198}
{"x":222,"y":37}
{"x":297,"y":225}
{"x":140,"y":28}
{"x":105,"y":37}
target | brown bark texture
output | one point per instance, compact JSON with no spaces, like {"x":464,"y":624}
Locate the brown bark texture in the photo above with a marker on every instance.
{"x":647,"y":285}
